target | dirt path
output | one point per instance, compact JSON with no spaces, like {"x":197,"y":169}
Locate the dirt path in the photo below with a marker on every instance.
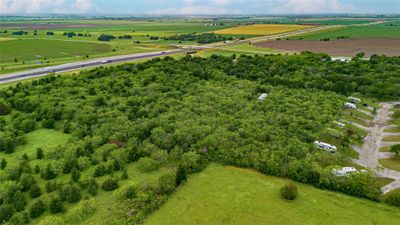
{"x":369,"y":153}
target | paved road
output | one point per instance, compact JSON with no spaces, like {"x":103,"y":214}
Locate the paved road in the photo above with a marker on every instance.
{"x":369,"y":153}
{"x":84,"y":64}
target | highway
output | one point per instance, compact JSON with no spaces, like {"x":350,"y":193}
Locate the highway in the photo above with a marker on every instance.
{"x":83,"y":64}
{"x":23,"y":75}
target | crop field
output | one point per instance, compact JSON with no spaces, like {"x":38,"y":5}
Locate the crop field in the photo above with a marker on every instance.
{"x":353,"y":32}
{"x":261,"y":29}
{"x":347,"y":47}
{"x":231,"y":196}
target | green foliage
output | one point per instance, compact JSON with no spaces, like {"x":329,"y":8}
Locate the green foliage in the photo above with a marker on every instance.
{"x":180,"y":175}
{"x":92,"y":187}
{"x":3,"y":163}
{"x":392,"y":198}
{"x":289,"y":191}
{"x":203,"y":38}
{"x":130,"y":193}
{"x":39,"y":153}
{"x":395,"y":149}
{"x":56,"y":206}
{"x":167,"y":183}
{"x":35,"y":191}
{"x":5,"y":108}
{"x":109,"y":185}
{"x":70,"y":192}
{"x":147,"y":164}
{"x":6,"y":212}
{"x":37,"y":209}
{"x":49,"y":173}
{"x":75,"y":174}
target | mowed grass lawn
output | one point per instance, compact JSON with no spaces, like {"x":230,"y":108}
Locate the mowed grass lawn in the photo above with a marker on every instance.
{"x":39,"y":49}
{"x":232,"y":196}
{"x":391,"y":163}
{"x":261,"y":29}
{"x":353,"y":32}
{"x":392,"y":138}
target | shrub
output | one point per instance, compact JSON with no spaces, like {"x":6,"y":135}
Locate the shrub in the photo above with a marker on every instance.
{"x":166,"y":183}
{"x":392,"y":198}
{"x":37,"y":209}
{"x":92,"y":187}
{"x":180,"y":175}
{"x":35,"y":191}
{"x":6,"y":212}
{"x":5,"y":108}
{"x":289,"y":191}
{"x":109,"y":185}
{"x":130,"y":193}
{"x":56,"y":206}
{"x":147,"y":164}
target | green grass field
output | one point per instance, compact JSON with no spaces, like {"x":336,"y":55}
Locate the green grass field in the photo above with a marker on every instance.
{"x":40,"y":49}
{"x":393,"y":129}
{"x":385,"y":149}
{"x":233,"y":196}
{"x":338,"y":21}
{"x":47,"y":139}
{"x":391,"y":163}
{"x":353,"y":32}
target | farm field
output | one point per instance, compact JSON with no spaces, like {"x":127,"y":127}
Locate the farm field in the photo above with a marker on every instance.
{"x":352,"y":32}
{"x":347,"y":47}
{"x":344,"y":21}
{"x":261,"y":29}
{"x":228,"y":195}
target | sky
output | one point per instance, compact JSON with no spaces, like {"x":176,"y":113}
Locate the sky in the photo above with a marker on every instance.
{"x":198,"y":7}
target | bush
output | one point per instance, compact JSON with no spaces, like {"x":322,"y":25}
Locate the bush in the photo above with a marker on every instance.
{"x":35,"y":191}
{"x":56,"y":206}
{"x":166,"y":183}
{"x":6,"y":212}
{"x":5,"y":108}
{"x":392,"y":198}
{"x":37,"y":209}
{"x":289,"y":191}
{"x":109,"y":185}
{"x":147,"y":164}
{"x":180,"y":175}
{"x":130,"y":193}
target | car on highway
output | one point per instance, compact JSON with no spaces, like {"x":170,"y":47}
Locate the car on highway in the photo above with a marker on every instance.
{"x":106,"y":61}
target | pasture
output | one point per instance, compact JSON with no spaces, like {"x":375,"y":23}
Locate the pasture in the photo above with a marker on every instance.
{"x":261,"y":29}
{"x":338,"y":21}
{"x":231,"y":196}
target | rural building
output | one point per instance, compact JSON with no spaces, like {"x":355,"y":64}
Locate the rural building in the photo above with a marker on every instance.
{"x":341,"y":125}
{"x":328,"y":147}
{"x":354,"y":100}
{"x":349,"y":105}
{"x":263,"y":96}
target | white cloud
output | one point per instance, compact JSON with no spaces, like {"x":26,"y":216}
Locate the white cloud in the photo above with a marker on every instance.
{"x":311,"y":6}
{"x":46,"y":6}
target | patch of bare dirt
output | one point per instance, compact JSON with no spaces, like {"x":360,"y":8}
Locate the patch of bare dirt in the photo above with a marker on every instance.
{"x":347,"y":47}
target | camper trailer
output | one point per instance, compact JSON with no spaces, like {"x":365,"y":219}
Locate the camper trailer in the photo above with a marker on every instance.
{"x":354,"y":100}
{"x":328,"y":147}
{"x":341,"y":125}
{"x":344,"y":171}
{"x":263,"y":97}
{"x":349,"y":105}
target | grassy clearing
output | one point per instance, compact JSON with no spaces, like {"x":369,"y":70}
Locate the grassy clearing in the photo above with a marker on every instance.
{"x":384,"y":149}
{"x":391,"y":163}
{"x":229,"y":195}
{"x":392,"y":129}
{"x":47,"y":139}
{"x":383,"y":181}
{"x":355,"y":119}
{"x":262,"y":29}
{"x":392,"y":138}
{"x":353,"y":32}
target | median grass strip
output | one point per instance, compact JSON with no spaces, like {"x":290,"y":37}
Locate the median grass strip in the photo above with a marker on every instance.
{"x":233,"y":196}
{"x":391,"y":163}
{"x":393,"y":129}
{"x":392,"y":138}
{"x":384,"y":149}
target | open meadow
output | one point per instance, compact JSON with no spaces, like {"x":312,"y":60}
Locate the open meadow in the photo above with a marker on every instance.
{"x":230,"y":196}
{"x":262,"y":29}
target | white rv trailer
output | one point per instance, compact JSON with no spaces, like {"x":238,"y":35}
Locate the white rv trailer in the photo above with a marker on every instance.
{"x":349,"y":105}
{"x":263,"y":97}
{"x":344,"y":171}
{"x":328,"y":147}
{"x":341,"y":125}
{"x":354,"y":100}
